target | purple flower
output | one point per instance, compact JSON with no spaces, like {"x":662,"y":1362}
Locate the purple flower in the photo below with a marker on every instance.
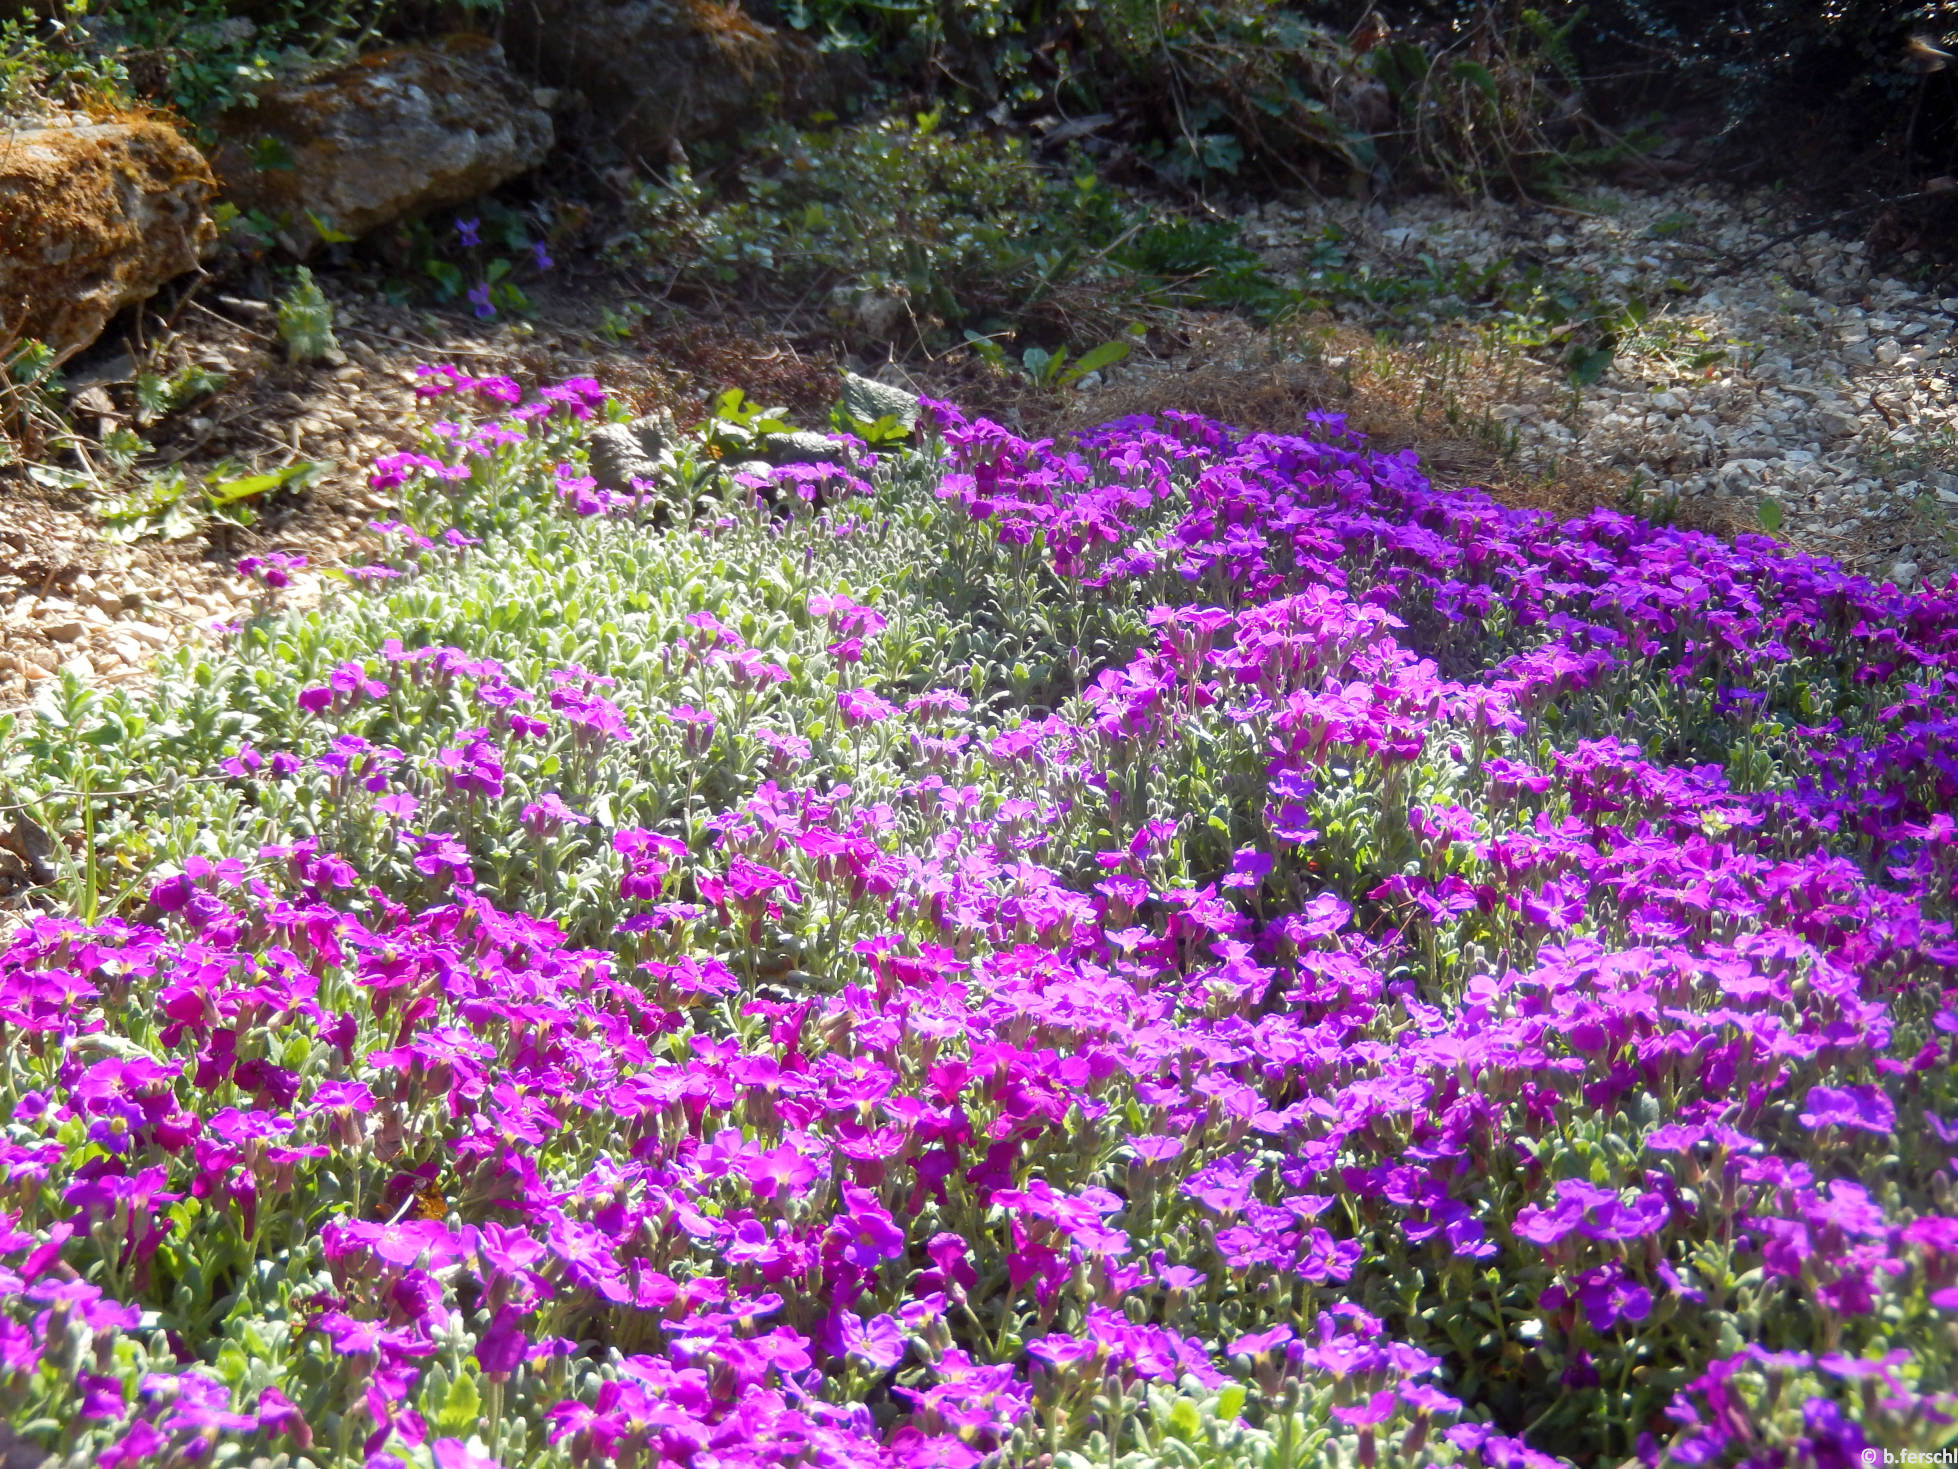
{"x":864,"y":1232}
{"x":1249,"y":868}
{"x":1369,"y":1412}
{"x":541,"y":255}
{"x":1260,"y":1343}
{"x":453,"y":1453}
{"x":1863,"y":1108}
{"x":548,"y":813}
{"x":877,"y":1341}
{"x":466,"y":232}
{"x":479,"y":297}
{"x":861,"y":706}
{"x":273,"y":569}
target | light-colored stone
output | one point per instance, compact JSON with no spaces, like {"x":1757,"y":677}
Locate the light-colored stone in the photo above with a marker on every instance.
{"x":93,"y":219}
{"x":623,"y":452}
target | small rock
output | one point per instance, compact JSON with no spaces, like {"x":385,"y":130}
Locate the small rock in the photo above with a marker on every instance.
{"x":147,"y":632}
{"x":804,"y":446}
{"x":882,"y":314}
{"x":66,"y":632}
{"x":623,"y":452}
{"x":870,"y":400}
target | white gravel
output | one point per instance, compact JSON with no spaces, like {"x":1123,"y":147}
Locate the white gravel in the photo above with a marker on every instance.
{"x":1831,"y":392}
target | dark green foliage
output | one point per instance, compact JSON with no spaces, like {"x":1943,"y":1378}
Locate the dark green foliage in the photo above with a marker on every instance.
{"x":941,"y":229}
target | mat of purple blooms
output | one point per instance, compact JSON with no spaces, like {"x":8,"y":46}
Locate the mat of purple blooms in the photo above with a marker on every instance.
{"x":1409,"y":981}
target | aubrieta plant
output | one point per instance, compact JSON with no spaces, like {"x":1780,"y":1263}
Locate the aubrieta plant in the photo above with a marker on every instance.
{"x":1175,"y":947}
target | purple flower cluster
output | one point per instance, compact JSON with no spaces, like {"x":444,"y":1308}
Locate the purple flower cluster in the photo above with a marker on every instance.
{"x":1525,"y":1066}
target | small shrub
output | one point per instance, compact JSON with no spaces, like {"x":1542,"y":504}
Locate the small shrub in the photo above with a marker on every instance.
{"x":306,"y":319}
{"x":905,"y":226}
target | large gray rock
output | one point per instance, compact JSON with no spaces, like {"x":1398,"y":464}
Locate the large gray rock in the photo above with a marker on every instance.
{"x":661,"y":73}
{"x":94,"y":217}
{"x":393,"y":134}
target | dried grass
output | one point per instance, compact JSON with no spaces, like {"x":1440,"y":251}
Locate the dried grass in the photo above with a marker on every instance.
{"x":1441,"y":405}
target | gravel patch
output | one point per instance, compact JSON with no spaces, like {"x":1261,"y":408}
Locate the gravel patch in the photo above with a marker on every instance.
{"x":1784,"y":374}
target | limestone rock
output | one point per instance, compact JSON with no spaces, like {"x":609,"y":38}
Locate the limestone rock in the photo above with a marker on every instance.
{"x":390,"y":135}
{"x":802,"y":446}
{"x":95,"y":217}
{"x":870,"y":400}
{"x":657,"y":74}
{"x":623,"y":452}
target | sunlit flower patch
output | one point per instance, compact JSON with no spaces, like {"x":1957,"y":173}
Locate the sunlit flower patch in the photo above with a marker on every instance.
{"x":1174,"y":947}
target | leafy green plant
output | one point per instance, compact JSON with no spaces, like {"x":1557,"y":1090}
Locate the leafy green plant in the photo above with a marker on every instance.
{"x":739,"y":428}
{"x":55,"y":56}
{"x":306,"y":319}
{"x":478,"y":257}
{"x":966,"y":229}
{"x":1055,"y":369}
{"x":883,"y":432}
{"x":201,"y":57}
{"x":1499,"y":108}
{"x":30,"y":382}
{"x":172,"y":504}
{"x":157,"y":397}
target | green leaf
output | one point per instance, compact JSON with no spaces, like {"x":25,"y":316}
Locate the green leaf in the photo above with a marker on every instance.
{"x":327,"y":232}
{"x":270,"y":155}
{"x":229,"y":492}
{"x":1768,"y":514}
{"x":1094,"y":359}
{"x":989,"y":351}
{"x":462,"y":1409}
{"x":178,"y":523}
{"x":447,"y":278}
{"x":1479,"y":76}
{"x":1587,"y":364}
{"x":1183,"y":1419}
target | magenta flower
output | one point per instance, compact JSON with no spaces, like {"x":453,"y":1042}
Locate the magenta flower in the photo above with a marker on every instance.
{"x":861,"y":706}
{"x":864,"y":1232}
{"x":548,"y":813}
{"x":1860,"y":1108}
{"x":877,"y":1341}
{"x":453,"y":1453}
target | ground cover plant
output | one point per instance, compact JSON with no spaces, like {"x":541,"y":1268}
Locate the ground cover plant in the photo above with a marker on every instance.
{"x":1172,"y":947}
{"x":912,"y":230}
